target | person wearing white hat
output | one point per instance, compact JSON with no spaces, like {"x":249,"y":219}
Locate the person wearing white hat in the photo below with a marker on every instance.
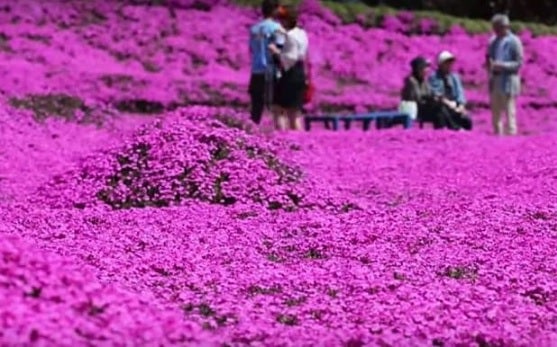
{"x":504,"y":59}
{"x":444,"y":57}
{"x":447,"y":86}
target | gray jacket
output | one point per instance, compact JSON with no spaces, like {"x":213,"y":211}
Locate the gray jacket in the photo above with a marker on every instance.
{"x":413,"y":90}
{"x":509,"y":50}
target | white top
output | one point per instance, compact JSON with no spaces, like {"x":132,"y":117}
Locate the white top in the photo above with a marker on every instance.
{"x":295,"y":48}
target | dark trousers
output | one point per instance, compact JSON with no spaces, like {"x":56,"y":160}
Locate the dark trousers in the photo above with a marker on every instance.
{"x":443,"y":117}
{"x":258,"y":94}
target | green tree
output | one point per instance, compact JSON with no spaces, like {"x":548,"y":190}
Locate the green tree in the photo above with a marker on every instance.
{"x":542,"y":11}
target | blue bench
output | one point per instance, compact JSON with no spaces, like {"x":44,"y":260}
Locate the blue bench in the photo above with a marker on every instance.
{"x":365,"y":118}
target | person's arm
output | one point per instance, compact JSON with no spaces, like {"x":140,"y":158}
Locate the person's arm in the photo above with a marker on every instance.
{"x":460,"y":95}
{"x":252,"y":38}
{"x":517,"y":53}
{"x":435,"y":85}
{"x":438,"y":92}
{"x":459,"y":91}
{"x":489,"y":54}
{"x":279,"y":36}
{"x":276,"y":45}
{"x":517,"y":56}
{"x":408,"y":92}
{"x":278,"y":39}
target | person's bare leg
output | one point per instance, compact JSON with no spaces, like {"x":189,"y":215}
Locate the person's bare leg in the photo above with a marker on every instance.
{"x":283,"y":122}
{"x":299,"y":122}
{"x":292,"y":115}
{"x":278,"y":115}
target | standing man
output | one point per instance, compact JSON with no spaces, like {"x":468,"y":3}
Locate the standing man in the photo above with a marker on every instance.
{"x":504,"y":60}
{"x":263,"y":70}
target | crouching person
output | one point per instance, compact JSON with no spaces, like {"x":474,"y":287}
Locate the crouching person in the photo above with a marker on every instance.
{"x":447,"y":87}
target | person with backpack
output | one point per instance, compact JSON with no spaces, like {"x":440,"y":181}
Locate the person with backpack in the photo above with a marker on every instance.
{"x":263,"y":68}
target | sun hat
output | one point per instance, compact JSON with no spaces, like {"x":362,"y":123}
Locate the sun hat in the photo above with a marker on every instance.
{"x":445,"y":56}
{"x":419,"y":63}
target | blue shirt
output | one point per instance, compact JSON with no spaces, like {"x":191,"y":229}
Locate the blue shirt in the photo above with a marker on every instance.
{"x":452,"y":88}
{"x":261,"y":35}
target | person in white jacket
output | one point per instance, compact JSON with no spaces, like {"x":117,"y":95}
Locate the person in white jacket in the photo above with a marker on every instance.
{"x":292,"y":84}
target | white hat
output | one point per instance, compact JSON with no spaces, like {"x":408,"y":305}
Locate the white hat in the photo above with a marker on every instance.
{"x":444,"y":56}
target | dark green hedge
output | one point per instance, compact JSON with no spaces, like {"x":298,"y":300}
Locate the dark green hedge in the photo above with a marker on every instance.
{"x":537,"y":11}
{"x":373,"y":16}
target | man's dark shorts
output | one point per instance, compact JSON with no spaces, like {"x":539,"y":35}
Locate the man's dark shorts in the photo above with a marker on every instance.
{"x":261,"y":93}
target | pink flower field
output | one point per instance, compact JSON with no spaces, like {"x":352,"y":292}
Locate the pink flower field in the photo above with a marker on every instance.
{"x":139,"y":206}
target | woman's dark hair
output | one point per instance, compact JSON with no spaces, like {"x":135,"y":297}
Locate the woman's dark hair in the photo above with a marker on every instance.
{"x":268,"y":7}
{"x":290,"y":17}
{"x":419,"y":63}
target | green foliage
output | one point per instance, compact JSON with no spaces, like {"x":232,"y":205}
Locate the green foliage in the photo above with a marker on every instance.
{"x":4,"y":42}
{"x":52,"y":105}
{"x":460,"y":272}
{"x":140,"y":106}
{"x":150,"y":66}
{"x":538,"y":11}
{"x":288,"y":319}
{"x":372,"y":16}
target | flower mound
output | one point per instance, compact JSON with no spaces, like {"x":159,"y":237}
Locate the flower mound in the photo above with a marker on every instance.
{"x":195,"y":153}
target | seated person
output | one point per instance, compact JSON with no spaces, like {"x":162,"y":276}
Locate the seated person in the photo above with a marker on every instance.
{"x":417,"y":89}
{"x":447,"y":87}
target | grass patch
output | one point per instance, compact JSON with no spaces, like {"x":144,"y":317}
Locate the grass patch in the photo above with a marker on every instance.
{"x":4,"y":42}
{"x":315,"y":254}
{"x":44,"y":106}
{"x":235,"y":123}
{"x":288,"y":319}
{"x":293,"y":302}
{"x":117,"y":80}
{"x":538,"y":296}
{"x":211,"y":318}
{"x":38,"y":38}
{"x":461,"y":272}
{"x":140,"y":106}
{"x":151,"y":67}
{"x":256,"y":290}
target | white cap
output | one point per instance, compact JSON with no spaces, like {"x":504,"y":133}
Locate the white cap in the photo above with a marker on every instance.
{"x":444,"y":56}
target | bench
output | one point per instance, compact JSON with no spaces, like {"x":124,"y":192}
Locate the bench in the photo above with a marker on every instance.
{"x":365,"y":118}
